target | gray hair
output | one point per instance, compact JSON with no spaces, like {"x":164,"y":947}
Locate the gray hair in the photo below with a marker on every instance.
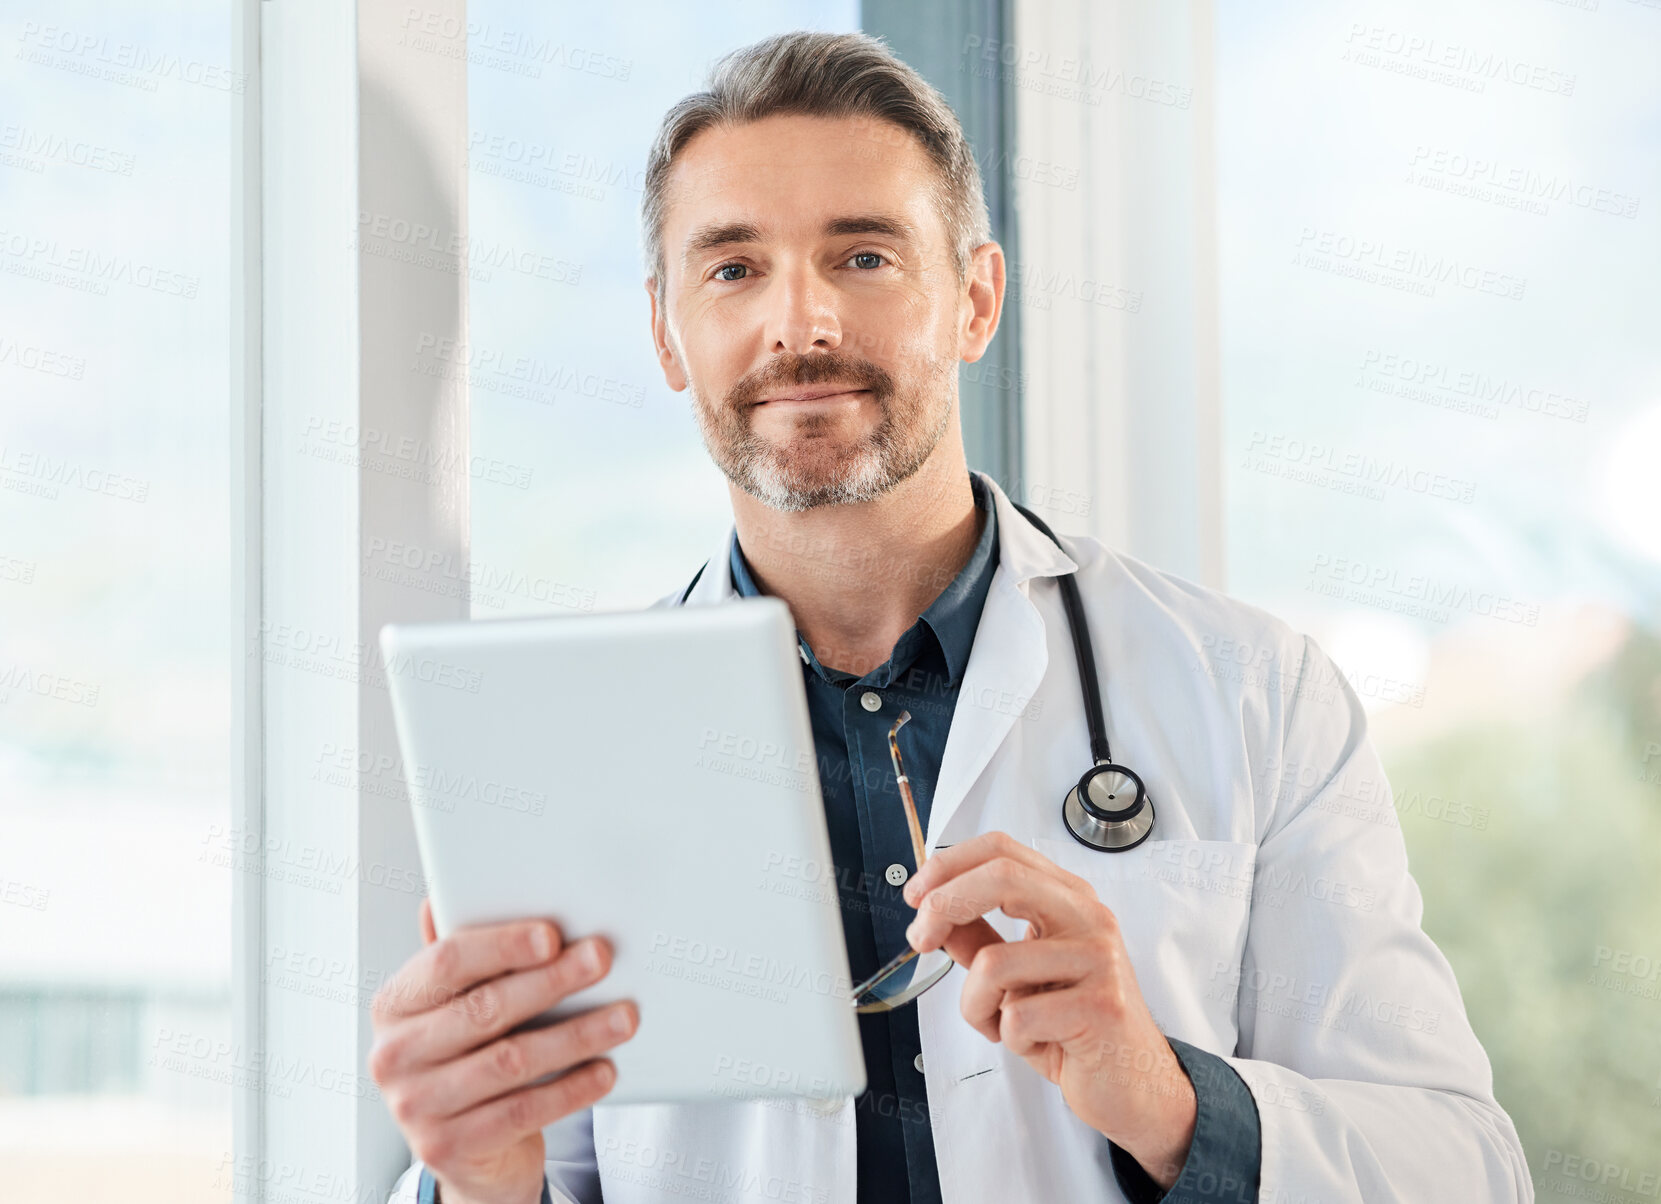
{"x":833,"y":75}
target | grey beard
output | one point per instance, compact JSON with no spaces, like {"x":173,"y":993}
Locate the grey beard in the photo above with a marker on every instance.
{"x":763,"y":471}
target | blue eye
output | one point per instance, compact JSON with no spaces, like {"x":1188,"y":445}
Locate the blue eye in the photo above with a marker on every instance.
{"x":867,"y":255}
{"x":730,"y":267}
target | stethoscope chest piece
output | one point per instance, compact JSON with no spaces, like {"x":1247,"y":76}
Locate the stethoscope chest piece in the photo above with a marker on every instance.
{"x":1109,"y":810}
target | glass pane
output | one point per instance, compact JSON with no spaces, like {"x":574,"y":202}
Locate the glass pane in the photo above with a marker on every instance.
{"x":614,"y":501}
{"x":1443,"y":404}
{"x":114,"y":673}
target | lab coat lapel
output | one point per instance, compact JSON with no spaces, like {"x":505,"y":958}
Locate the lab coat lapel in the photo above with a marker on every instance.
{"x":1006,"y":663}
{"x":715,"y":580}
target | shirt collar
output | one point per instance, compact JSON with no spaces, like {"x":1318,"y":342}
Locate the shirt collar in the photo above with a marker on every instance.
{"x":954,"y":616}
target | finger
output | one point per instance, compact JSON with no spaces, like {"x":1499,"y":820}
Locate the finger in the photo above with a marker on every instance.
{"x":967,"y":940}
{"x":429,"y":933}
{"x":446,"y":968}
{"x":1060,"y":1017}
{"x":515,"y":1060}
{"x":489,"y":1010}
{"x":1019,"y":890}
{"x":1019,"y":966}
{"x":1128,"y":1055}
{"x":945,"y":864}
{"x":506,"y":1121}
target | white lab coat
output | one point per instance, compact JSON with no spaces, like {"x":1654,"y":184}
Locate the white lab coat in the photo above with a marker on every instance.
{"x":1270,"y":917}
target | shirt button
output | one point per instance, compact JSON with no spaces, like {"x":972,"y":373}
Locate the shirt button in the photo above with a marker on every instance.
{"x":918,"y":1063}
{"x":871,"y":700}
{"x":896,"y":874}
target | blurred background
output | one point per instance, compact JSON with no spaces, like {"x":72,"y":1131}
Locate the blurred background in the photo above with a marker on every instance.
{"x":1439,"y":383}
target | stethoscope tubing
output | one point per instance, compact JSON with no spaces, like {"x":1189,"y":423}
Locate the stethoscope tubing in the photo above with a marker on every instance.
{"x":1103,"y":831}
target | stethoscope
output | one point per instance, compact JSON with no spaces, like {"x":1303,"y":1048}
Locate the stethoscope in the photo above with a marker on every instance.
{"x":1109,"y":810}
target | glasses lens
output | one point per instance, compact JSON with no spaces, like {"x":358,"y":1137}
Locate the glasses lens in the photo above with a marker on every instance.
{"x":903,"y":983}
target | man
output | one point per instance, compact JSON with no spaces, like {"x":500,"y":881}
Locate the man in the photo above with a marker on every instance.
{"x":1243,"y":1007}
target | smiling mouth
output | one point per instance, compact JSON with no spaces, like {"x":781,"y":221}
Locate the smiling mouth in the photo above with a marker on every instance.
{"x":808,"y":396}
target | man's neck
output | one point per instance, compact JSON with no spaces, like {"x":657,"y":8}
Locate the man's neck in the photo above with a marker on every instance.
{"x":857,"y":576}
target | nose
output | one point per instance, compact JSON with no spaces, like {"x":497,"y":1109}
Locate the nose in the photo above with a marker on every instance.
{"x":802,"y":313}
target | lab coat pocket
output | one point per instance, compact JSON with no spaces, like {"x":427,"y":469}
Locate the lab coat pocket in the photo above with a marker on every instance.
{"x":1183,"y":907}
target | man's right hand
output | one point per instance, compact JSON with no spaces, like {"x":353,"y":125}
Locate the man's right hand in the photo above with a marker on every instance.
{"x":453,"y":1078}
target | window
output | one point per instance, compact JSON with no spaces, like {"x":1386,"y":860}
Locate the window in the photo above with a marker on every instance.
{"x":115,"y":1051}
{"x":1438,"y":238}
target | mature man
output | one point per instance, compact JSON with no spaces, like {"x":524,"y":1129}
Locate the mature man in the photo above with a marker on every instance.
{"x":1242,"y":1007}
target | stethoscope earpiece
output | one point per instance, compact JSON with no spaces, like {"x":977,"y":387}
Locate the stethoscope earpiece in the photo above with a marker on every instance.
{"x":1109,"y":810}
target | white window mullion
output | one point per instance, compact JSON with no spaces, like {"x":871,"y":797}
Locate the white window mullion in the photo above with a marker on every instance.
{"x":1118,"y":275}
{"x":355,"y":513}
{"x":247,"y":765}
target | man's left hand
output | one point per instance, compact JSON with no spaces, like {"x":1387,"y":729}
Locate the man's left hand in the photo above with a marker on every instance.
{"x":1065,"y":998}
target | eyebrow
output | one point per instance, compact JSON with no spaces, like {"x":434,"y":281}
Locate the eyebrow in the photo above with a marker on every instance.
{"x":724,"y":234}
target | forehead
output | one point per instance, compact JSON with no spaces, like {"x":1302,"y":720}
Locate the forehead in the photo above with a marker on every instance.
{"x":790,"y":175}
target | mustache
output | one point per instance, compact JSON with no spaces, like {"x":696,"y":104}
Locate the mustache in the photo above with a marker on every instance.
{"x":827,"y":367}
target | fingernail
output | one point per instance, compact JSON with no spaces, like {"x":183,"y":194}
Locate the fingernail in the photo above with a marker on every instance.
{"x":911,"y":934}
{"x":588,"y":960}
{"x":604,"y":1073}
{"x":541,"y":944}
{"x":619,"y":1022}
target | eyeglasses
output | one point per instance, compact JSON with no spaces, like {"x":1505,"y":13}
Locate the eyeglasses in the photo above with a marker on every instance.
{"x":910,"y":973}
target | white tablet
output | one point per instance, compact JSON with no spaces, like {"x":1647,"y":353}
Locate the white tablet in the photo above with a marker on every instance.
{"x":650,"y":777}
